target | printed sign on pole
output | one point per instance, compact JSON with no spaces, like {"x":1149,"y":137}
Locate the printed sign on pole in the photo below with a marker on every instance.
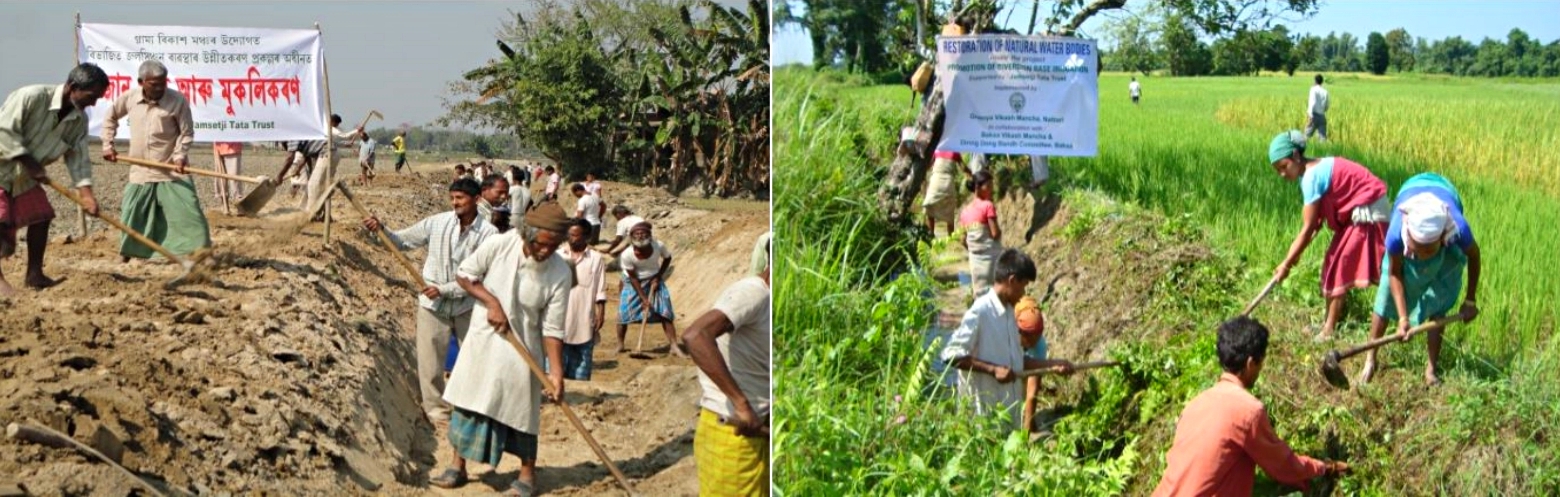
{"x":1021,"y":95}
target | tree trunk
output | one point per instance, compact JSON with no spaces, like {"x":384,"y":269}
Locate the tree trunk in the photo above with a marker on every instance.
{"x":908,"y":171}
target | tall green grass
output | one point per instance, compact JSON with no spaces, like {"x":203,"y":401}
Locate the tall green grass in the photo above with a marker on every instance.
{"x":852,"y":416}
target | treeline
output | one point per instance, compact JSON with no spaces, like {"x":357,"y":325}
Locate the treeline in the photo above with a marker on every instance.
{"x":1144,"y":44}
{"x":456,"y":142}
{"x":673,"y":93}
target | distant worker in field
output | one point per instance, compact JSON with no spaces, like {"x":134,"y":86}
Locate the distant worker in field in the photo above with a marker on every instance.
{"x":587,"y":302}
{"x":1429,"y":244}
{"x":443,"y":306}
{"x":553,"y":179}
{"x":982,"y":235}
{"x":942,"y":190}
{"x":986,"y":348}
{"x":730,"y":345}
{"x":588,"y":207}
{"x":366,"y":159}
{"x":1135,"y":89}
{"x":644,"y":296}
{"x":519,"y":193}
{"x":625,"y":220}
{"x":321,"y":178}
{"x":1316,"y":110}
{"x":521,"y":288}
{"x":40,"y":124}
{"x":495,"y":192}
{"x":462,"y":173}
{"x":1352,"y":202}
{"x":399,"y":144}
{"x":160,"y":204}
{"x":592,"y":185}
{"x":229,"y":159}
{"x":1224,"y":433}
{"x":1031,"y":337}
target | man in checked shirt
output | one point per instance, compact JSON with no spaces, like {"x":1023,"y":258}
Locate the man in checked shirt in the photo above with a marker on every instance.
{"x":449,"y":237}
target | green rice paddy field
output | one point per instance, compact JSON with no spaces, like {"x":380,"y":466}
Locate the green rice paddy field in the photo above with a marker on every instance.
{"x":853,"y":414}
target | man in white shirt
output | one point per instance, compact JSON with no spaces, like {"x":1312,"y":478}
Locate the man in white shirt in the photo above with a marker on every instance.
{"x":730,"y":345}
{"x":321,"y":178}
{"x":587,"y":308}
{"x":589,"y":208}
{"x":625,"y":219}
{"x":986,"y":347}
{"x":450,"y":237}
{"x":1316,"y":110}
{"x":645,"y":298}
{"x":1135,"y":89}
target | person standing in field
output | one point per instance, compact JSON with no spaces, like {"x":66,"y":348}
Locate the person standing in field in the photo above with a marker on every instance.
{"x":321,"y":178}
{"x":1225,"y":433}
{"x":160,"y":204}
{"x":1316,"y":110}
{"x":1351,"y":201}
{"x":592,"y":185}
{"x":986,"y":348}
{"x":399,"y":144}
{"x":589,"y":208}
{"x":730,"y":345}
{"x":1135,"y":89}
{"x":982,"y":237}
{"x":38,"y":125}
{"x":443,"y":306}
{"x":587,"y":302}
{"x":230,"y":160}
{"x":366,"y":159}
{"x":519,"y":194}
{"x":1429,"y":244}
{"x":553,"y":179}
{"x":942,"y":189}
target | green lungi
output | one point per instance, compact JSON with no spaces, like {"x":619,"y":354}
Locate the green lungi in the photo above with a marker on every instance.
{"x":169,"y":213}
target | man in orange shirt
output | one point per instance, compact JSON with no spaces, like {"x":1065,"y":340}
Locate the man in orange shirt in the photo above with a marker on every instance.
{"x":1224,"y":433}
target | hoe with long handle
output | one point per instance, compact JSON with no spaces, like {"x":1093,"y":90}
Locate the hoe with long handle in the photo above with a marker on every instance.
{"x":536,"y":369}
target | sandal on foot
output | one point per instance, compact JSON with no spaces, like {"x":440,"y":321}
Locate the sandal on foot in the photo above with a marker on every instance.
{"x":520,"y":489}
{"x":450,"y":478}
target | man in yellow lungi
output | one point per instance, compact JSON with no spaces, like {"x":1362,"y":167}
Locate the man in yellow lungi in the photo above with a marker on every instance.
{"x":730,"y":344}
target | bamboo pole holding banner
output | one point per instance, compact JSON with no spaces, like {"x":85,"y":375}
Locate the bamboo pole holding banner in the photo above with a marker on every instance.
{"x":81,"y":212}
{"x":330,"y":135}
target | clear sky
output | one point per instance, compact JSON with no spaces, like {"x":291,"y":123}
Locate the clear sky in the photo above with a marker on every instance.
{"x":394,"y":56}
{"x":1431,"y":19}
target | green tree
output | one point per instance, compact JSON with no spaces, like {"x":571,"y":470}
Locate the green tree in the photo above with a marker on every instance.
{"x":1377,"y":55}
{"x":1184,"y":54}
{"x":1400,"y":49}
{"x":1134,"y":43}
{"x":1306,"y":54}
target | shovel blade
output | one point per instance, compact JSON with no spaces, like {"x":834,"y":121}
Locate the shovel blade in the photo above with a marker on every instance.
{"x":257,"y":198}
{"x":1333,"y":371}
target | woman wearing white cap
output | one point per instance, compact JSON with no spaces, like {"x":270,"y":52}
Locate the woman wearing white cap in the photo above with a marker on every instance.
{"x":1429,"y":244}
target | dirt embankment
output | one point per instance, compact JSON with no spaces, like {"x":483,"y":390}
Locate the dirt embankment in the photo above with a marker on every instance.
{"x":289,"y":370}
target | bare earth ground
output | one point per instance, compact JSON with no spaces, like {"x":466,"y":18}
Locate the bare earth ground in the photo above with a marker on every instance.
{"x":288,"y":369}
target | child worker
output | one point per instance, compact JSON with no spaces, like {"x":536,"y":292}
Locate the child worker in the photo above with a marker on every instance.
{"x":985,"y":348}
{"x":1031,"y":336}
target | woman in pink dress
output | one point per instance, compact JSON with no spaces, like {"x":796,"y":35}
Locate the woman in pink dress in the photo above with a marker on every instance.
{"x":982,"y":238}
{"x":1352,"y":202}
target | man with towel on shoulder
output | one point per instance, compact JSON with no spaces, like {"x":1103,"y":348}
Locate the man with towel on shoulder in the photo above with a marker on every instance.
{"x":522,"y":287}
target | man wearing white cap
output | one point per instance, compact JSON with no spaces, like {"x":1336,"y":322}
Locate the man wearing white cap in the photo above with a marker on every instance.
{"x":1429,"y":244}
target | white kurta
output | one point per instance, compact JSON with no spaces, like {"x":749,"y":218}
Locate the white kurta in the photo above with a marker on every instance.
{"x":489,"y":377}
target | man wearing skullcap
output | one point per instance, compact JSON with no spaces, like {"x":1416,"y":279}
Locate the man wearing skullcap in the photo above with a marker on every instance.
{"x":443,"y":305}
{"x":522,"y":288}
{"x":1429,"y":244}
{"x":644,"y":297}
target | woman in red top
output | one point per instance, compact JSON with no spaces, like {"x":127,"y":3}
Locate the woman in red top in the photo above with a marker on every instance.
{"x":1352,"y":202}
{"x":982,"y":238}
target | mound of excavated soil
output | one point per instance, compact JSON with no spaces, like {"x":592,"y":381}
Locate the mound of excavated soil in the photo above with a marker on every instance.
{"x":289,"y":368}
